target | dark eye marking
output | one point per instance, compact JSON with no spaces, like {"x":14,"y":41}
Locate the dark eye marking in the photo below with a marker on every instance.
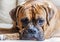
{"x":25,"y":21}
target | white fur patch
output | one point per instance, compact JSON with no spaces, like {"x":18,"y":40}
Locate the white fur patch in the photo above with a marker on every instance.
{"x":2,"y":37}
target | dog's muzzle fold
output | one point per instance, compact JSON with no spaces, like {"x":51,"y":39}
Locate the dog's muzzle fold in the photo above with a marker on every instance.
{"x":33,"y":33}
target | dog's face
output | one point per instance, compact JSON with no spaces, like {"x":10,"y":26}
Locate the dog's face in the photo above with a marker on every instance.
{"x":30,"y":20}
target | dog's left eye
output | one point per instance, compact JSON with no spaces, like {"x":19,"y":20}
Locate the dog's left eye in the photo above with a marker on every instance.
{"x":40,"y":21}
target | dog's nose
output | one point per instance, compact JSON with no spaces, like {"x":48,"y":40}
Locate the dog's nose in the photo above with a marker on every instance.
{"x":36,"y":33}
{"x":31,"y":31}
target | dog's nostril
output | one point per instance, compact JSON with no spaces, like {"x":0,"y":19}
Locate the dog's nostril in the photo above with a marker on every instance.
{"x":31,"y":31}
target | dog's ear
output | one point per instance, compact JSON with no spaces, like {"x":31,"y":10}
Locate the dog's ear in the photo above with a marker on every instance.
{"x":49,"y":12}
{"x":13,"y":12}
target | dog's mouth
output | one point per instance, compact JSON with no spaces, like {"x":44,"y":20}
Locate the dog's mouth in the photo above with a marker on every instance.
{"x":37,"y":36}
{"x":33,"y":34}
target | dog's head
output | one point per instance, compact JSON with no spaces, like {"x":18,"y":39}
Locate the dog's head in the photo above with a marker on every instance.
{"x":31,"y":20}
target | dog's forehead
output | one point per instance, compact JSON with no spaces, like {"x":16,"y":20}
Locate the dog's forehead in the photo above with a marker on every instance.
{"x":35,"y":9}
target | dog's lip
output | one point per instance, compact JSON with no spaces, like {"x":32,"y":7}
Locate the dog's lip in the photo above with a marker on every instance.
{"x":37,"y":39}
{"x":33,"y":39}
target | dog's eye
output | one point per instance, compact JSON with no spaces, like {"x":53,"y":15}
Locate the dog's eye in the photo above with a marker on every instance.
{"x":24,"y":21}
{"x":40,"y":21}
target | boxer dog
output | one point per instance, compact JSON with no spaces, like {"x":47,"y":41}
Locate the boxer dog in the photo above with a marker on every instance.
{"x":34,"y":20}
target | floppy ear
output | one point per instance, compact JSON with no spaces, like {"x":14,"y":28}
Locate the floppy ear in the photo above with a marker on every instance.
{"x":49,"y":12}
{"x":14,"y":12}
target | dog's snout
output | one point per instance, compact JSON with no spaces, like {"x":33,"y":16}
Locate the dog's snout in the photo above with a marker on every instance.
{"x":33,"y":33}
{"x":32,"y":29}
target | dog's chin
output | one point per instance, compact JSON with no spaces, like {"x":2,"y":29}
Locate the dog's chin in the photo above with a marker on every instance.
{"x":29,"y":36}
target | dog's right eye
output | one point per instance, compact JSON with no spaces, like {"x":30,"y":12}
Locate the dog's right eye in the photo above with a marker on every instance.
{"x":24,"y":21}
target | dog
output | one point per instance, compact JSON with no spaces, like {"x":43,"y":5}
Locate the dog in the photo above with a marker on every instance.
{"x":34,"y":20}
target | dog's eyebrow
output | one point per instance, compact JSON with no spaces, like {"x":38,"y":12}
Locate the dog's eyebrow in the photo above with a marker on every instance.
{"x":24,"y":19}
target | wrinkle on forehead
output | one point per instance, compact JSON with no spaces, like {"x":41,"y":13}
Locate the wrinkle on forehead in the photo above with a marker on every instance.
{"x":28,"y":13}
{"x":38,"y":11}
